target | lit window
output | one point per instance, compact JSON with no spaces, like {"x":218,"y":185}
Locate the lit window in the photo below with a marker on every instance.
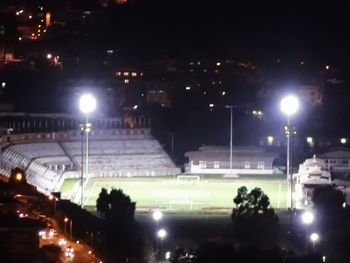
{"x":134,"y":74}
{"x":204,"y":93}
{"x":223,"y":93}
{"x":141,"y":74}
{"x":118,"y":73}
{"x":188,"y":88}
{"x":218,"y":64}
{"x":126,"y":73}
{"x":126,"y":81}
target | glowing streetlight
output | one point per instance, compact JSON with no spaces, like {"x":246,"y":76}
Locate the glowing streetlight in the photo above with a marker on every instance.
{"x":310,"y":140}
{"x":270,"y":140}
{"x":49,"y":56}
{"x":87,"y":104}
{"x":157,"y":215}
{"x":307,"y":217}
{"x":161,"y":233}
{"x":289,"y":105}
{"x":343,"y":140}
{"x":314,"y":237}
{"x":19,"y":177}
{"x":167,"y":255}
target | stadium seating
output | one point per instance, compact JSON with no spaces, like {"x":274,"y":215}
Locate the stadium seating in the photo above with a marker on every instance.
{"x":49,"y":159}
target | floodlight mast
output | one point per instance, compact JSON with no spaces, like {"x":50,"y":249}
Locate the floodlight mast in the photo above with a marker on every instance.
{"x":87,"y":104}
{"x":289,"y":105}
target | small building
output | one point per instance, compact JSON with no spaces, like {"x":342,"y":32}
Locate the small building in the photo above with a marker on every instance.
{"x":245,"y":160}
{"x":312,"y":173}
{"x":337,"y":159}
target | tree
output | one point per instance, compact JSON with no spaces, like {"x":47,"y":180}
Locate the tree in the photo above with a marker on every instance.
{"x":328,"y":200}
{"x":121,"y":207}
{"x":102,"y":201}
{"x":254,"y":221}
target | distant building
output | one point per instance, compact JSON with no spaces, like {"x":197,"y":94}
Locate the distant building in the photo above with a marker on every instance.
{"x":337,"y":159}
{"x":245,"y":160}
{"x":312,"y":173}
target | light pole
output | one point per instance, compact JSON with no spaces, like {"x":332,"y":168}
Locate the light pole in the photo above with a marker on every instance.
{"x":87,"y":104}
{"x":307,"y":218}
{"x":231,"y":127}
{"x":314,"y":237}
{"x":162,"y":233}
{"x":157,"y":216}
{"x":289,"y":105}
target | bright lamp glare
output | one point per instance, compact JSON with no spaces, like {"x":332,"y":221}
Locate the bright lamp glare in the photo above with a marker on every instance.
{"x":157,"y":215}
{"x":162,"y":233}
{"x":87,"y":103}
{"x":307,"y":217}
{"x":289,"y":105}
{"x":314,"y":237}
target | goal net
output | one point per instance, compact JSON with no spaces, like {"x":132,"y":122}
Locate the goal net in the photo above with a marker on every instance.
{"x":188,"y":179}
{"x":181,"y":204}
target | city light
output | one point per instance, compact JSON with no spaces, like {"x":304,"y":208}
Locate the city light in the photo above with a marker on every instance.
{"x":66,"y":219}
{"x":161,"y":233}
{"x":308,"y":217}
{"x":289,"y":105}
{"x":167,"y":255}
{"x":211,"y":105}
{"x":19,"y":176}
{"x":51,"y":197}
{"x":49,"y":56}
{"x":157,"y":215}
{"x":270,"y":139}
{"x":188,"y":88}
{"x":314,"y":237}
{"x":343,"y":140}
{"x":310,"y":140}
{"x":87,"y":103}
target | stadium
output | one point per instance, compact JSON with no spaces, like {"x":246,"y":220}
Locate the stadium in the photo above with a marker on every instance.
{"x":122,"y":154}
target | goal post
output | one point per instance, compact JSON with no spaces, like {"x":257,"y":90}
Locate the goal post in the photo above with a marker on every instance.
{"x":180,"y":203}
{"x":188,"y":178}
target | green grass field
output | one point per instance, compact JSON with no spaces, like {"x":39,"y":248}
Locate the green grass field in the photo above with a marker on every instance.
{"x":211,"y":193}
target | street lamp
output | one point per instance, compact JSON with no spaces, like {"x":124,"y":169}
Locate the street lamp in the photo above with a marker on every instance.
{"x":314,"y":237}
{"x":289,"y":105}
{"x":157,"y":215}
{"x":161,"y":234}
{"x":211,"y":105}
{"x":307,"y":218}
{"x":87,"y":104}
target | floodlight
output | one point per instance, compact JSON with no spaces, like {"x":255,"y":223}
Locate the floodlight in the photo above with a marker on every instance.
{"x":289,"y":105}
{"x":87,"y":103}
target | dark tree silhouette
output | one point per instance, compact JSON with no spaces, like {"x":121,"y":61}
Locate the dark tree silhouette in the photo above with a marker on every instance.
{"x":121,"y":207}
{"x":254,"y":221}
{"x":102,"y":202}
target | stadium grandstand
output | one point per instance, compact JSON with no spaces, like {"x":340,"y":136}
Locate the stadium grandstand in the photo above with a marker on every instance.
{"x":49,"y":148}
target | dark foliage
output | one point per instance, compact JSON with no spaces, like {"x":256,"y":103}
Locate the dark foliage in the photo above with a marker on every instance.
{"x":253,"y":220}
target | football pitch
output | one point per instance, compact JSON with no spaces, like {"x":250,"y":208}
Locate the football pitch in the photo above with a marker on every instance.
{"x":208,"y":194}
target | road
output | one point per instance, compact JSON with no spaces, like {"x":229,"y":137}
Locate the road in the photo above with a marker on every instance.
{"x":82,"y":253}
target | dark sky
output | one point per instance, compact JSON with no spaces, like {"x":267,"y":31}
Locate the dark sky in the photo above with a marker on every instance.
{"x":254,"y":27}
